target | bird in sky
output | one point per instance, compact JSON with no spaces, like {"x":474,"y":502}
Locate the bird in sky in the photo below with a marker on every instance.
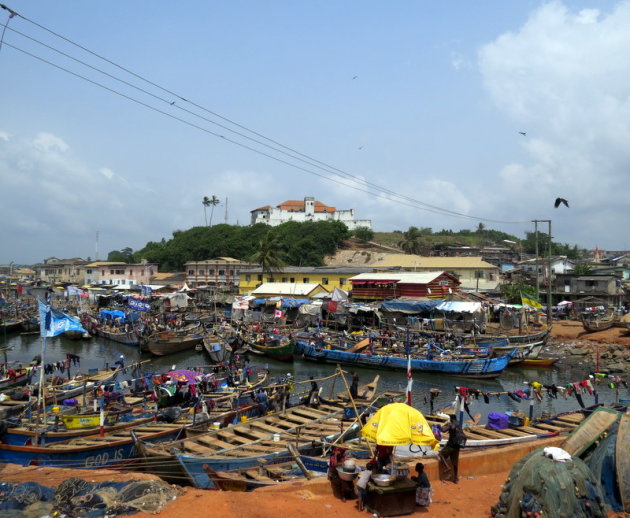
{"x":559,"y":201}
{"x":355,"y":77}
{"x":524,"y":133}
{"x":360,"y":147}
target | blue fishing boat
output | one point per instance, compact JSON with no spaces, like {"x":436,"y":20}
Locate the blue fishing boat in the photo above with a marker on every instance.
{"x":114,"y":450}
{"x":471,"y":368}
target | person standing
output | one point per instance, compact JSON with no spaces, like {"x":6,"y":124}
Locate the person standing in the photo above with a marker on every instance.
{"x":360,"y":483}
{"x":423,"y":486}
{"x":354,"y":387}
{"x":448,"y":458}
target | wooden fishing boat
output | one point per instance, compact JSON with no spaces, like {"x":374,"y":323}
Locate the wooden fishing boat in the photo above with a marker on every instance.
{"x":217,"y":348}
{"x":10,"y":325}
{"x":245,"y":445}
{"x":81,"y":421}
{"x":93,"y":451}
{"x":472,"y":368}
{"x":167,"y":342}
{"x":520,"y":351}
{"x":277,"y":347}
{"x":537,"y":362}
{"x":122,"y":337}
{"x":593,"y":323}
{"x":15,"y":378}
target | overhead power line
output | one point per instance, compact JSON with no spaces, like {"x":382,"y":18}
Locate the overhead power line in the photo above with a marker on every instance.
{"x":339,"y":176}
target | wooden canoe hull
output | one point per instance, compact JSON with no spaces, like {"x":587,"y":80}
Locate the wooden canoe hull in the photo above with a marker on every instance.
{"x":174,"y":345}
{"x":476,"y":368}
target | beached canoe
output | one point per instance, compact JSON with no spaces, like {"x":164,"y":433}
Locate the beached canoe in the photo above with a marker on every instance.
{"x":471,"y":368}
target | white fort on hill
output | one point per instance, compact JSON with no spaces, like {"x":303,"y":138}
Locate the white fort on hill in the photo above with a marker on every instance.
{"x":307,"y":210}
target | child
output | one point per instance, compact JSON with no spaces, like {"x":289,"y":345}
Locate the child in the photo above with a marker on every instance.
{"x":423,"y":491}
{"x":360,"y":485}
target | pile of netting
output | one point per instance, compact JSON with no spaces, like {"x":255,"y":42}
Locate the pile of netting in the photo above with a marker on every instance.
{"x":540,"y":486}
{"x":76,"y":498}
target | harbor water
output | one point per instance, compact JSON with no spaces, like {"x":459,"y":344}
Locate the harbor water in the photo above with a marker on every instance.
{"x":97,"y":352}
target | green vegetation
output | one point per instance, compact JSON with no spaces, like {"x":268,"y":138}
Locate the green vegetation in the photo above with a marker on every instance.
{"x":304,"y":244}
{"x":307,"y":244}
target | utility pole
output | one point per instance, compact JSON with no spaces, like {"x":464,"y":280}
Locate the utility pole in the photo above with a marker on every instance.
{"x":549,"y":297}
{"x":535,"y":221}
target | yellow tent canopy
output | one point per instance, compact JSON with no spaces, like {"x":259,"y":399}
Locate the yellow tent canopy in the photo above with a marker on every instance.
{"x":397,"y":424}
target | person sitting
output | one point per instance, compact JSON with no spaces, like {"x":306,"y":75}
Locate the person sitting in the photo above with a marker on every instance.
{"x":423,"y":486}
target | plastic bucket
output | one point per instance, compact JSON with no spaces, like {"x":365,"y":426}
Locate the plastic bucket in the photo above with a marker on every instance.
{"x":216,"y":425}
{"x":276,"y":437}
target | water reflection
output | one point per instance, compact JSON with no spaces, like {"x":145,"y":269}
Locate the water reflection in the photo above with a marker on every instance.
{"x":98,"y":352}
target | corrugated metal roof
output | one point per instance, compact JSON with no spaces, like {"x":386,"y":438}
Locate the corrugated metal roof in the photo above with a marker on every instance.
{"x":404,"y":277}
{"x":437,"y":263}
{"x":285,"y":288}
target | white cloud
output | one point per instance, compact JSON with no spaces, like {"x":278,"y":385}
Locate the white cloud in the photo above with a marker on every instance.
{"x":47,"y":142}
{"x":563,"y":78}
{"x":5,"y":136}
{"x":106,"y":172}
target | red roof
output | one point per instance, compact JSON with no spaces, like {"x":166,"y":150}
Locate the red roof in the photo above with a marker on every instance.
{"x":298,"y":206}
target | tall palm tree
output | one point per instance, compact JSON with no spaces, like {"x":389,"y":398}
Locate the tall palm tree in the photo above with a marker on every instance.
{"x":206,"y":204}
{"x":268,"y":254}
{"x":410,"y":243}
{"x":214,"y":201}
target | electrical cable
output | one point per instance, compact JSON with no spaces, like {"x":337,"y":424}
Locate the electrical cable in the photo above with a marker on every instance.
{"x":369,"y":187}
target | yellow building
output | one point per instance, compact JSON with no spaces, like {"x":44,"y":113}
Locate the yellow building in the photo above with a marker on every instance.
{"x":328,"y":277}
{"x":287,"y":289}
{"x":473,"y":273}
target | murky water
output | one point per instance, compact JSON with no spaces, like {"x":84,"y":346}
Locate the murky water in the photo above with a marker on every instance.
{"x":97,"y":352}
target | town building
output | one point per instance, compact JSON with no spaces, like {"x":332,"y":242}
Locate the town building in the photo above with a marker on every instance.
{"x":473,"y":273}
{"x":411,"y":285}
{"x":307,"y":210}
{"x":118,"y":273}
{"x":218,"y":272}
{"x":330,"y":277}
{"x":576,"y":288}
{"x":55,"y":270}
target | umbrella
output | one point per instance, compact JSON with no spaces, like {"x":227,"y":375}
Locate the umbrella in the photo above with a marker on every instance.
{"x":398,"y":424}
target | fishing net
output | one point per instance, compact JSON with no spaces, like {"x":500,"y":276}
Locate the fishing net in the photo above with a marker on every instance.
{"x":541,"y":486}
{"x":77,"y":498}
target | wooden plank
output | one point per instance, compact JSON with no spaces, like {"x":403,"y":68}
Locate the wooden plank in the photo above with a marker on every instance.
{"x":196,"y":448}
{"x":623,"y":461}
{"x":590,"y":430}
{"x":268,"y":428}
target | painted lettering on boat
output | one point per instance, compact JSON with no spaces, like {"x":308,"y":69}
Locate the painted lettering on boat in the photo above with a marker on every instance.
{"x":101,"y":459}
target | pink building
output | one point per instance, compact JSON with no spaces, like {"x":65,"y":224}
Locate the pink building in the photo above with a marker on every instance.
{"x":116,"y":273}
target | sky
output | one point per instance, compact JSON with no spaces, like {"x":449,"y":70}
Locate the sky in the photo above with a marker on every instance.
{"x":411,"y":113}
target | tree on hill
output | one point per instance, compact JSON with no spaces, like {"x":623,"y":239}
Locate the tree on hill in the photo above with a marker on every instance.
{"x":411,"y":241}
{"x":364,"y":234}
{"x":124,"y":256}
{"x":268,"y":254}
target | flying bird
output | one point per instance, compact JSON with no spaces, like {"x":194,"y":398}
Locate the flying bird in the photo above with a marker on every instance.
{"x":355,"y":77}
{"x":524,"y":133}
{"x":559,"y":201}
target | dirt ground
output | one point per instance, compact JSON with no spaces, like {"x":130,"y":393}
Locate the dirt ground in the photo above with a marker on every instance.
{"x":472,"y":497}
{"x":572,"y":330}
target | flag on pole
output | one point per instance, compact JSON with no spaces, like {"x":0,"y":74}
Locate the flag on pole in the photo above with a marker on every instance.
{"x":409,"y":378}
{"x":529,"y":300}
{"x":53,"y":322}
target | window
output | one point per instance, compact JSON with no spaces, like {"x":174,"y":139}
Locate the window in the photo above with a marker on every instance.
{"x":130,"y":273}
{"x":150,"y":271}
{"x":88,"y":271}
{"x":103,"y":273}
{"x":269,"y":279}
{"x":342,"y":281}
{"x":284,"y":279}
{"x":202,"y":271}
{"x":248,"y":277}
{"x":221,"y":272}
{"x":259,"y":277}
{"x":291,"y":279}
{"x":211,"y":271}
{"x":324,"y":281}
{"x":305,"y":280}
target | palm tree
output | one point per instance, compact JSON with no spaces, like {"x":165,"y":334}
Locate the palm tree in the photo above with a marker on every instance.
{"x":206,"y":204}
{"x":268,"y":254}
{"x":410,"y":243}
{"x":214,"y":201}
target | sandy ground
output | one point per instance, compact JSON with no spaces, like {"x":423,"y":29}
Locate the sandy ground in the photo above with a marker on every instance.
{"x":472,"y":497}
{"x":572,"y":330}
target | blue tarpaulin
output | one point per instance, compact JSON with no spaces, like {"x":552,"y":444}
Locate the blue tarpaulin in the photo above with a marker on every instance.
{"x":294,"y":303}
{"x":113,"y":314}
{"x":410,"y":306}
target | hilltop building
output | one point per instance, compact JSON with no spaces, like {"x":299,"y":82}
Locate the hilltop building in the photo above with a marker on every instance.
{"x":307,"y":210}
